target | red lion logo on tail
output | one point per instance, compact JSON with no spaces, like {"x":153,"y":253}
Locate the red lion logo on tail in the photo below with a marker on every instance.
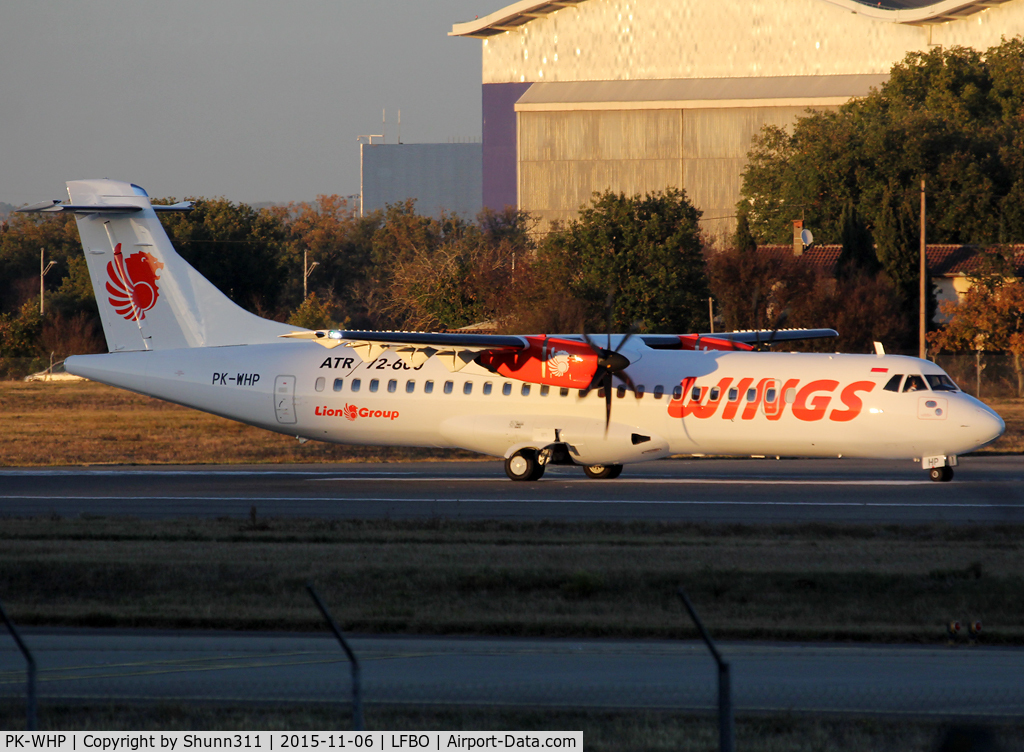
{"x":132,"y":284}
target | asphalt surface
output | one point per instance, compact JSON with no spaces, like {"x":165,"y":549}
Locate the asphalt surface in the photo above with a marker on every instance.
{"x":115,"y":665}
{"x":987,"y":489}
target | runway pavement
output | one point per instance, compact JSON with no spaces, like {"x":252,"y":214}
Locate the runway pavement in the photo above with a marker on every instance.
{"x":148,"y":665}
{"x":987,"y":489}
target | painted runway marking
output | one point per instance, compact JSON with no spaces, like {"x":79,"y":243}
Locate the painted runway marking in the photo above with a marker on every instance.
{"x":636,"y":502}
{"x":667,"y":481}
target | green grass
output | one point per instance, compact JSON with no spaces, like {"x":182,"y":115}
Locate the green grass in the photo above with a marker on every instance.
{"x":805,"y":582}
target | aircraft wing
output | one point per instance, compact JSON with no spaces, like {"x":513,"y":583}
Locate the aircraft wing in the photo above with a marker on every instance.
{"x":455,"y":349}
{"x":739,"y":340}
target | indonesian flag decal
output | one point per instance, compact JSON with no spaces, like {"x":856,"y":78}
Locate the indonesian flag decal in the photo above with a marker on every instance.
{"x":131,"y":283}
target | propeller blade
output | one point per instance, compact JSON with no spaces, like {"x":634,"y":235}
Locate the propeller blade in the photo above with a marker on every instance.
{"x":779,"y":321}
{"x":593,"y":345}
{"x":607,"y":401}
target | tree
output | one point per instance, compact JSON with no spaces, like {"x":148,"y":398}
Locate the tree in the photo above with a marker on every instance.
{"x":339,"y":241}
{"x":744,"y":239}
{"x":952,"y":115}
{"x":312,"y":314}
{"x":989,"y":317}
{"x":858,"y":256}
{"x":642,"y":253}
{"x":236,"y":247}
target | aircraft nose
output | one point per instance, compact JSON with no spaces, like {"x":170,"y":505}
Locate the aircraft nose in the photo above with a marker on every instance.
{"x":988,"y":425}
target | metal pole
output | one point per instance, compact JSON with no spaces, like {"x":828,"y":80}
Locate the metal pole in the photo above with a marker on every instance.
{"x":726,"y":723}
{"x":305,"y":274}
{"x":357,"y":696}
{"x":30,"y":723}
{"x":711,"y":314}
{"x":922,"y":349}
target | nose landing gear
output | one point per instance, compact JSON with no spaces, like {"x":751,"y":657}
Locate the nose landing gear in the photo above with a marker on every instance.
{"x":940,"y":467}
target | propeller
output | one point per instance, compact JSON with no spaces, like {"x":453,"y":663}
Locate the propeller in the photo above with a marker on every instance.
{"x":610,"y":363}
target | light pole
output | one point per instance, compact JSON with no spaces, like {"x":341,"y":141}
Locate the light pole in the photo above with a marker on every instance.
{"x":42,"y":273}
{"x":922,"y":350}
{"x":306,"y":271}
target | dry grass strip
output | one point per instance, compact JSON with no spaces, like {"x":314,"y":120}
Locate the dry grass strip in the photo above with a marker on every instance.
{"x":805,"y":582}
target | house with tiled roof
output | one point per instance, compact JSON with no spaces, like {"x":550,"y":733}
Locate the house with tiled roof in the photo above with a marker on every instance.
{"x":950,"y":265}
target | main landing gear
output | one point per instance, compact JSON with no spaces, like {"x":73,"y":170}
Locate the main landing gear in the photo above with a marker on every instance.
{"x":523,"y":465}
{"x":941,"y":474}
{"x":603,"y":472}
{"x":529,"y":464}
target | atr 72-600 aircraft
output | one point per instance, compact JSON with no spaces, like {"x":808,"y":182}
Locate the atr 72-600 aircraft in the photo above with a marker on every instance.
{"x":535,"y":400}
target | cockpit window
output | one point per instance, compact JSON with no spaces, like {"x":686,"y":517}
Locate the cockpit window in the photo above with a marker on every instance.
{"x":893,"y":385}
{"x":941,"y":383}
{"x":914,"y":384}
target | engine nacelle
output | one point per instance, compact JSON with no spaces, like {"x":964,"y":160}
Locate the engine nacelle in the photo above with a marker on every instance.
{"x":548,"y":360}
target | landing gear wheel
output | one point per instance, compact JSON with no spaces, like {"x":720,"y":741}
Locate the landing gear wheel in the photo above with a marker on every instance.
{"x":941,"y":474}
{"x":523,"y":465}
{"x":603,"y":472}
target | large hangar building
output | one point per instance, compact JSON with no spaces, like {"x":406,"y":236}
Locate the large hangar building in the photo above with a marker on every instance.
{"x":639,"y":95}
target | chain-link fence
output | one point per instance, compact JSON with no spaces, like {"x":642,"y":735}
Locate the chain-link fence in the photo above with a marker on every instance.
{"x":986,"y":375}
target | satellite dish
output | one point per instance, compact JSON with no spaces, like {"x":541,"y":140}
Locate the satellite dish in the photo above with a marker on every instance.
{"x":806,"y":238}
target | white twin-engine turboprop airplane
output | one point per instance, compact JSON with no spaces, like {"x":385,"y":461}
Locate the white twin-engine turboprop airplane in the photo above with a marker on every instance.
{"x":535,"y":400}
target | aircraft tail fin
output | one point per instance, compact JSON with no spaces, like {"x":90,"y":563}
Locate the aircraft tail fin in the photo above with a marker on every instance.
{"x":149,"y":297}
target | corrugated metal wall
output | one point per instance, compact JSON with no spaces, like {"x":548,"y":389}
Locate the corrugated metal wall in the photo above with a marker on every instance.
{"x":566,"y":156}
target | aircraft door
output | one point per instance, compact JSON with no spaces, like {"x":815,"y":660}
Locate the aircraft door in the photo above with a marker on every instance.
{"x":284,"y":399}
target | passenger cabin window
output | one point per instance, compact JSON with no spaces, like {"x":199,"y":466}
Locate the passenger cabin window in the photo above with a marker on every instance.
{"x":321,"y":383}
{"x":392,"y":386}
{"x":790,"y":396}
{"x":526,"y":390}
{"x":356,"y":383}
{"x":487,"y":387}
{"x":338,"y":384}
{"x":734,"y":394}
{"x":893,"y":384}
{"x":694,"y":393}
{"x":374,"y":383}
{"x":639,"y":391}
{"x":659,"y":391}
{"x":621,"y":391}
{"x":914,"y":384}
{"x":563,"y":392}
{"x":428,"y":387}
{"x":544,"y":389}
{"x":941,"y":383}
{"x":506,"y":389}
{"x":769,"y":395}
{"x":715,"y":394}
{"x":448,"y":387}
{"x":467,"y":388}
{"x":410,"y":386}
{"x":751,"y":395}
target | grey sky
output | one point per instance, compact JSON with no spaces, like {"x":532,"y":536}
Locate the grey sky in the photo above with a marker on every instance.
{"x":247,"y":99}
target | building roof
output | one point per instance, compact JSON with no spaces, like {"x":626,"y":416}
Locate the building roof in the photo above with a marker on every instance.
{"x":944,"y":260}
{"x":699,"y":92}
{"x":912,"y":12}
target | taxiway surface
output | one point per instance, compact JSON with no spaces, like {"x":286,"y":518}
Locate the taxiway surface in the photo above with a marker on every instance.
{"x":987,"y":489}
{"x":134,"y":665}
